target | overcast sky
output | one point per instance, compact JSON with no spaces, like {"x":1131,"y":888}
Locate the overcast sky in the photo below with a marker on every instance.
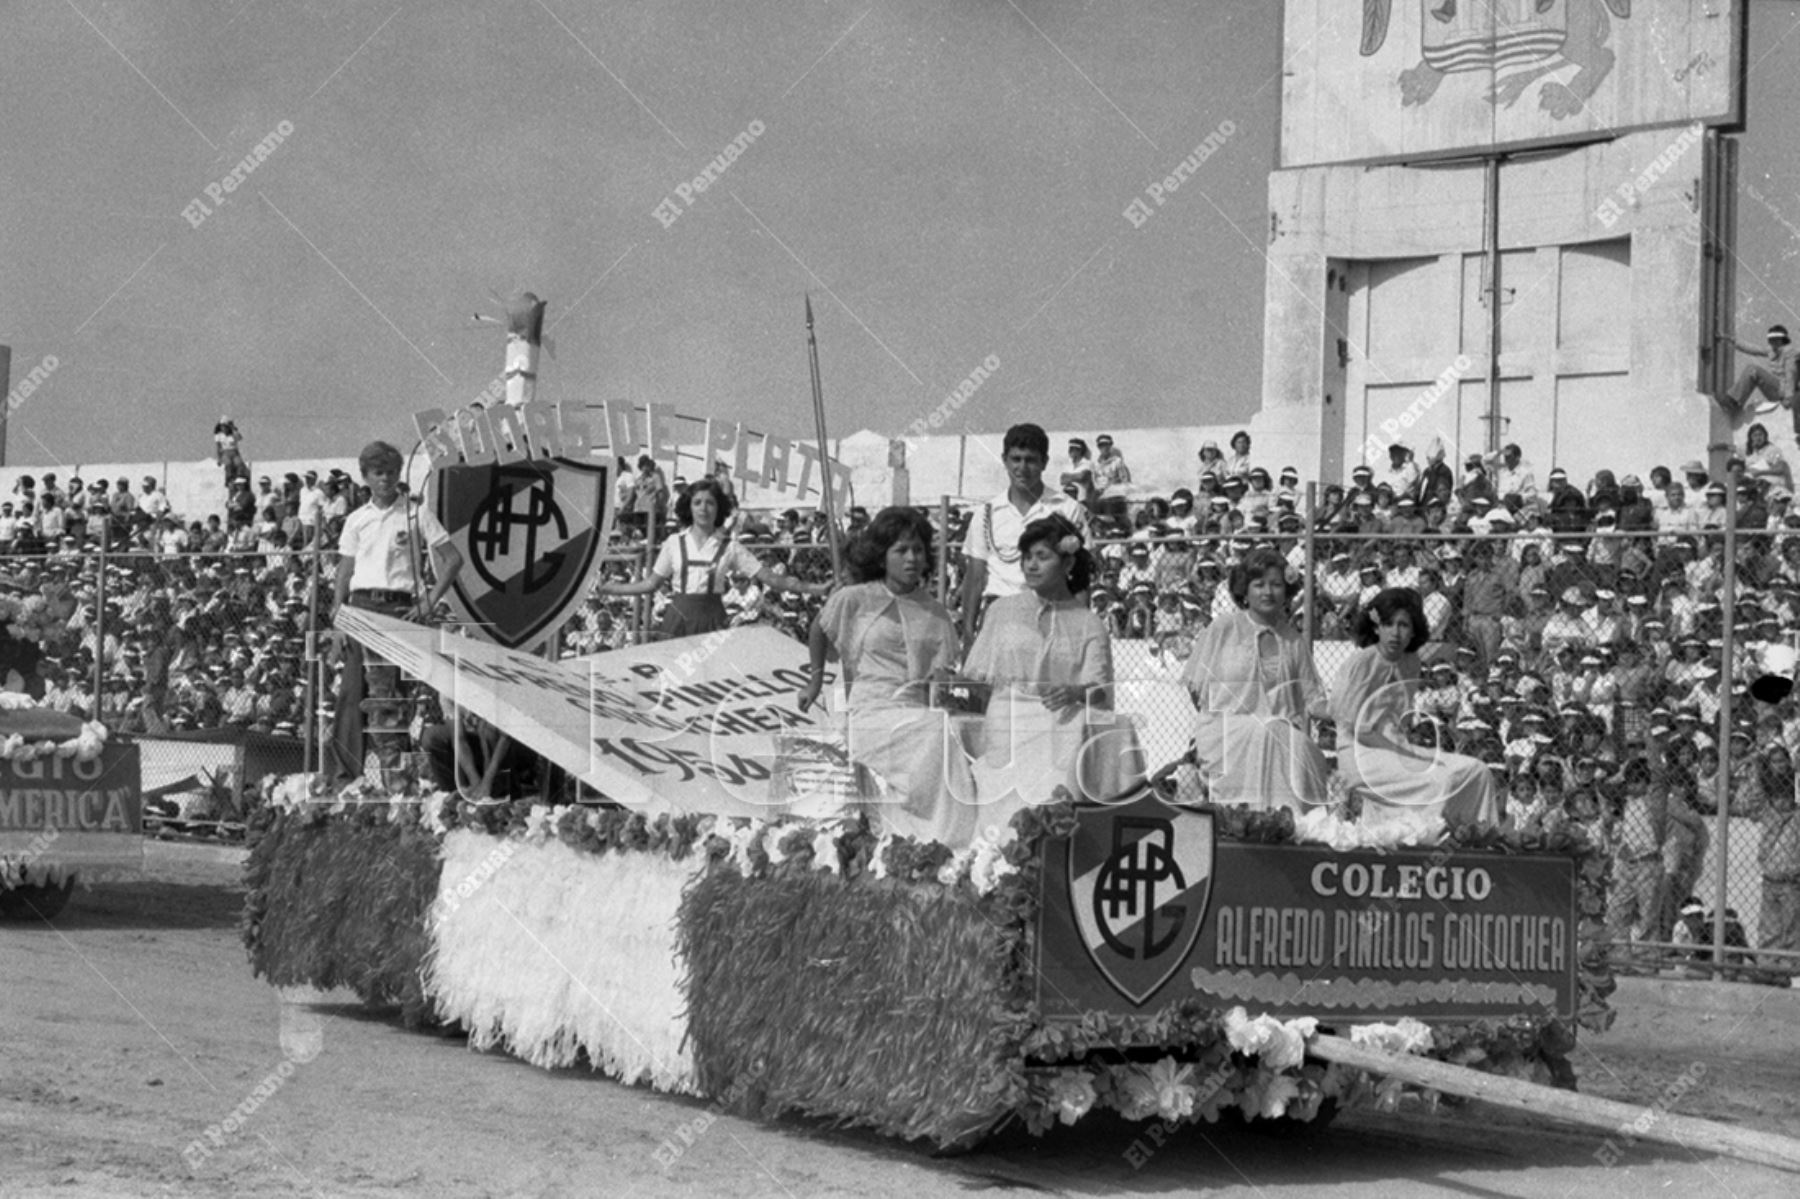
{"x":947,"y":177}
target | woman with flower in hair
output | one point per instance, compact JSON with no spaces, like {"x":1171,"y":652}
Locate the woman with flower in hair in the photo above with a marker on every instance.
{"x":893,"y":638}
{"x":1048,"y":657}
{"x":1251,"y":675}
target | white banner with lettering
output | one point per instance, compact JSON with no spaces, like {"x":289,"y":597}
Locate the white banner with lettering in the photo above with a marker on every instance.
{"x":679,"y":726}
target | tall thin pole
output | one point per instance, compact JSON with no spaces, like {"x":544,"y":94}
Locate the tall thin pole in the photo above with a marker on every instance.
{"x":1490,"y":238}
{"x":1311,"y":567}
{"x":818,"y":390}
{"x":100,"y":617}
{"x":1722,"y":790}
{"x":943,"y":585}
{"x":309,"y":703}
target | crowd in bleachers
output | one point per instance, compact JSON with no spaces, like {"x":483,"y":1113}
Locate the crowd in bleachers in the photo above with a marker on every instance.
{"x":1568,"y":623}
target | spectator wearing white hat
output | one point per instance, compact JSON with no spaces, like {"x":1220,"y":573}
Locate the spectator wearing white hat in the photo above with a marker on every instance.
{"x":1605,"y":618}
{"x":1567,"y":507}
{"x":1566,"y":629}
{"x":153,"y":503}
{"x":1112,"y":480}
{"x":1340,"y":582}
{"x":1774,"y":377}
{"x":1713,"y":515}
{"x":1212,"y":461}
{"x":1080,"y":474}
{"x":1259,"y":495}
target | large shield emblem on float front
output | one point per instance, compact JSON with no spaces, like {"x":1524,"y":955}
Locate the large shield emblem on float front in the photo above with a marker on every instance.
{"x":530,"y":534}
{"x":1140,"y":875}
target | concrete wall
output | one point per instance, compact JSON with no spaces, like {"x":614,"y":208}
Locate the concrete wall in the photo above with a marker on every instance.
{"x":196,"y":489}
{"x":1645,"y":187}
{"x":961,"y":467}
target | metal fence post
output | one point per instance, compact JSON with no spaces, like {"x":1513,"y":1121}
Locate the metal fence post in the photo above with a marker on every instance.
{"x":943,"y":584}
{"x":1722,"y":787}
{"x":100,"y":627}
{"x":310,"y":701}
{"x":1311,"y":609}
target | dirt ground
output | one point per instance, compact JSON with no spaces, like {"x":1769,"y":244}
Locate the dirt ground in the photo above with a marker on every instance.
{"x":132,"y":1023}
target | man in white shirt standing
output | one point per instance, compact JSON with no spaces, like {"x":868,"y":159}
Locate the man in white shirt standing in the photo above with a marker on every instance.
{"x":155,"y":504}
{"x":1402,"y":473}
{"x":992,"y":546}
{"x":312,"y":507}
{"x":1512,"y":474}
{"x":379,"y":569}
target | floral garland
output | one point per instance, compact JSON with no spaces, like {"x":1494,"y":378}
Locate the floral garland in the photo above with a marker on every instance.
{"x":85,"y":746}
{"x":37,"y":617}
{"x":1257,"y":1066}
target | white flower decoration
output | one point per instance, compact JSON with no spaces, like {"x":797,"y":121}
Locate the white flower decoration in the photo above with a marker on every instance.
{"x":825,"y":851}
{"x":1072,"y":1094}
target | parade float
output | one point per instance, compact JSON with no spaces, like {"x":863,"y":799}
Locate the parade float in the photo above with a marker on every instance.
{"x":720,"y":914}
{"x":725,"y":917}
{"x":71,"y":805}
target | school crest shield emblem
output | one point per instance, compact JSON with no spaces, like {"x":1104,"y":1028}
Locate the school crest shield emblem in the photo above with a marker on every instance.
{"x":1140,"y":875}
{"x":530,"y":534}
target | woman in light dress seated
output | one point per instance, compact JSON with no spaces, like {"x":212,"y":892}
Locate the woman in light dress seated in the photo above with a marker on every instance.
{"x":893,"y":638}
{"x":1048,"y":657}
{"x":1251,"y":675}
{"x":1398,"y":781}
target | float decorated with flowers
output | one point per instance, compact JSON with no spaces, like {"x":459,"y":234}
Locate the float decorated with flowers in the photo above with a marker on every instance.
{"x":1168,"y":962}
{"x":70,"y":805}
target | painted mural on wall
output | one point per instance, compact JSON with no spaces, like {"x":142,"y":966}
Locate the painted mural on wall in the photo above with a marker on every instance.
{"x":1382,"y":79}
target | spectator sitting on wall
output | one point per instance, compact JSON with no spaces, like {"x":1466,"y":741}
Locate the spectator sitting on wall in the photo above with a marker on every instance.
{"x":1080,"y":474}
{"x":1774,"y":378}
{"x":1112,"y":480}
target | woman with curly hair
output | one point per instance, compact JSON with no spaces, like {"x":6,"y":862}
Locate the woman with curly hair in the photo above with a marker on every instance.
{"x":697,"y":561}
{"x":1251,"y":675}
{"x":1374,"y":691}
{"x":893,"y":638}
{"x":1048,"y":657}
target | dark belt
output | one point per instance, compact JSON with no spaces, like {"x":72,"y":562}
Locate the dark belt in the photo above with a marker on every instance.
{"x":381,"y":595}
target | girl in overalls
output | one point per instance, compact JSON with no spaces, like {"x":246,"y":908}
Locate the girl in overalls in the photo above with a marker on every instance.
{"x":696,"y":562}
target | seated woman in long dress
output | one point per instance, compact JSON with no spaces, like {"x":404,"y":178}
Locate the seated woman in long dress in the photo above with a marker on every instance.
{"x":1251,"y":675}
{"x":1049,"y":720}
{"x":893,"y":637}
{"x":1398,"y":781}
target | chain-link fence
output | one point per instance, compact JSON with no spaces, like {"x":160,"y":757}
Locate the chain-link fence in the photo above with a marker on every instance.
{"x":1554,"y":656}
